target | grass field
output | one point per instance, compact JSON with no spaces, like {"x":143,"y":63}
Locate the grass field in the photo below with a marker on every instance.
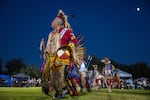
{"x":35,"y":93}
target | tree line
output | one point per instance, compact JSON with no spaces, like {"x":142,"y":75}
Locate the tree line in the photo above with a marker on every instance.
{"x":14,"y":66}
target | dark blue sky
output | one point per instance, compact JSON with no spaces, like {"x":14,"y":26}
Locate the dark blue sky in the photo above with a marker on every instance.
{"x":112,"y":28}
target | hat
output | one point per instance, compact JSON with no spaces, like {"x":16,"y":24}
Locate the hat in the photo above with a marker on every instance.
{"x":95,"y":66}
{"x":61,"y":15}
{"x":64,"y":17}
{"x":106,"y":60}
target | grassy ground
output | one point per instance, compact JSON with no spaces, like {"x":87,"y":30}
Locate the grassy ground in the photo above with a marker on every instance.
{"x":35,"y":93}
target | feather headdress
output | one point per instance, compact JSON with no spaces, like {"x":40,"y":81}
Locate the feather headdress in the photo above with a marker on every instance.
{"x":106,"y":60}
{"x":80,"y":51}
{"x":64,"y":18}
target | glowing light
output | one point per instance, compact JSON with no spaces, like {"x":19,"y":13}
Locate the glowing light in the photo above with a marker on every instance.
{"x":138,"y":9}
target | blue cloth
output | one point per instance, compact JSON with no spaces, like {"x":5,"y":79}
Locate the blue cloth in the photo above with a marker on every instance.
{"x":74,"y":72}
{"x":8,"y":78}
{"x":69,"y":75}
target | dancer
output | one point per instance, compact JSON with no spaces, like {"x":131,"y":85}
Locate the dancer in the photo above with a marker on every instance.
{"x":95,"y":75}
{"x":84,"y":77}
{"x":63,"y":50}
{"x":108,"y":73}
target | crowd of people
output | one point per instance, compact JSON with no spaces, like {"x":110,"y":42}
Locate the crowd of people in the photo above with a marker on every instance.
{"x":139,"y":83}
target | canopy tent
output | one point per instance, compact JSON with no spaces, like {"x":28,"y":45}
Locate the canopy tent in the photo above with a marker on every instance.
{"x":7,"y":79}
{"x":21,"y":75}
{"x":124,"y":74}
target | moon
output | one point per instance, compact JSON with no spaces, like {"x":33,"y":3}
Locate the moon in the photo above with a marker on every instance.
{"x":138,"y":9}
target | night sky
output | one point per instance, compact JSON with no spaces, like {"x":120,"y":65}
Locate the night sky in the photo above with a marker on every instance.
{"x":111,"y":28}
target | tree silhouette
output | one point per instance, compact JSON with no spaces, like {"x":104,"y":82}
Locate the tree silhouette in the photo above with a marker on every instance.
{"x":14,"y":66}
{"x":139,"y":69}
{"x":33,"y":71}
{"x":0,"y":65}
